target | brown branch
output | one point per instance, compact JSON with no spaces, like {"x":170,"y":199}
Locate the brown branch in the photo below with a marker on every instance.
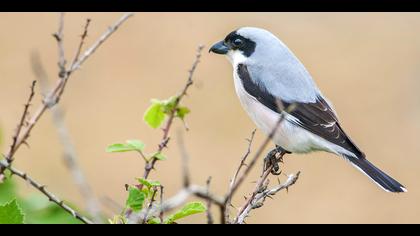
{"x":13,"y":147}
{"x":75,"y":60}
{"x":254,"y":159}
{"x":51,"y":197}
{"x":235,"y":176}
{"x":260,"y":150}
{"x":259,"y":186}
{"x":82,"y":42}
{"x":100,"y":41}
{"x":53,"y":97}
{"x":209,"y":203}
{"x":59,"y":36}
{"x":165,"y":139}
{"x":22,"y":122}
{"x":260,"y":195}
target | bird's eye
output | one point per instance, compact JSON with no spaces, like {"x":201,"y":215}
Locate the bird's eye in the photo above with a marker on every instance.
{"x":237,"y":42}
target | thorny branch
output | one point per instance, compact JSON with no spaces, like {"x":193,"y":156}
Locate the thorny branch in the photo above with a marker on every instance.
{"x":266,"y":172}
{"x":22,"y":123}
{"x":260,"y":150}
{"x":262,"y":194}
{"x":53,"y":97}
{"x":235,"y":176}
{"x":165,"y":139}
{"x":59,"y":36}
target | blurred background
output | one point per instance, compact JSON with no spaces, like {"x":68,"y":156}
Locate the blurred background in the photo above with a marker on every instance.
{"x":367,"y":64}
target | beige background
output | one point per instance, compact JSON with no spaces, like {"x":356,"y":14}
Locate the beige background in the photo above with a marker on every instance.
{"x":366,"y":63}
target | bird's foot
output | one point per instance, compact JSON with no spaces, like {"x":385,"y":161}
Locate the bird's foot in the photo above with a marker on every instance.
{"x":272,"y":160}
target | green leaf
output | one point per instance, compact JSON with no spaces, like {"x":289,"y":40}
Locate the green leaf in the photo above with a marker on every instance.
{"x":169,"y":104}
{"x":154,"y":221}
{"x":187,"y":210}
{"x":130,"y":145}
{"x":159,"y":156}
{"x":181,"y":112}
{"x":137,"y":144}
{"x":7,"y":191}
{"x":149,"y":183}
{"x":11,"y":213}
{"x":135,"y":199}
{"x":154,"y":115}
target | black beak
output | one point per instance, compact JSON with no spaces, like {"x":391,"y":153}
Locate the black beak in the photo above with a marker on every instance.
{"x":219,"y":48}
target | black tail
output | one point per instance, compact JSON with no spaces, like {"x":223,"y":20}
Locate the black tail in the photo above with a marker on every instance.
{"x":385,"y":181}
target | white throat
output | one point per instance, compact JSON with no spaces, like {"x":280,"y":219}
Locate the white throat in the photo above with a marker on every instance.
{"x":235,"y":57}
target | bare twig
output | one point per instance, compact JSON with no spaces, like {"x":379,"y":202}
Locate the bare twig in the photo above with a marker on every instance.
{"x":209,"y":203}
{"x":259,"y":198}
{"x":21,"y":122}
{"x":43,"y":190}
{"x":84,"y":56}
{"x":25,"y":114}
{"x":235,"y":176}
{"x":165,"y":139}
{"x":53,"y":97}
{"x":242,"y":163}
{"x":70,"y":155}
{"x":82,"y":42}
{"x":75,"y":60}
{"x":261,"y":184}
{"x":254,"y":159}
{"x":260,"y":150}
{"x":59,"y":36}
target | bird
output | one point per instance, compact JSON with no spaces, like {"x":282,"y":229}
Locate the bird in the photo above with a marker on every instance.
{"x":268,"y":79}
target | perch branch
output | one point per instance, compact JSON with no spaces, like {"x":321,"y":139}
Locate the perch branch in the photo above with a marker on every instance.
{"x":234,"y":187}
{"x":260,"y":195}
{"x":260,"y":150}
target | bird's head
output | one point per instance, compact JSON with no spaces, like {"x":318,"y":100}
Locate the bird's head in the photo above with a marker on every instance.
{"x":246,"y":42}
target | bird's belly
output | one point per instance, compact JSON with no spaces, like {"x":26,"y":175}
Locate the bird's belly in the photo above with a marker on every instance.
{"x":288,"y":136}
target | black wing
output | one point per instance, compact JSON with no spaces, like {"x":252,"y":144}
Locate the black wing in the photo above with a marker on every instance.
{"x":316,"y":117}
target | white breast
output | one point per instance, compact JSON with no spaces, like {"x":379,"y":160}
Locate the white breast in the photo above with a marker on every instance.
{"x":288,"y":136}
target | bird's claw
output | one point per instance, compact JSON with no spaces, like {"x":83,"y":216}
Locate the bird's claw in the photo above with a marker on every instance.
{"x":272,"y":161}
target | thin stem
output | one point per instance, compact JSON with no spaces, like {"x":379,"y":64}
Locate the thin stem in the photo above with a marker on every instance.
{"x":165,"y":139}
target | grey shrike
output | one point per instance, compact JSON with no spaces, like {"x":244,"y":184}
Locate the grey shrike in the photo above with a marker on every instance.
{"x":265,"y":71}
